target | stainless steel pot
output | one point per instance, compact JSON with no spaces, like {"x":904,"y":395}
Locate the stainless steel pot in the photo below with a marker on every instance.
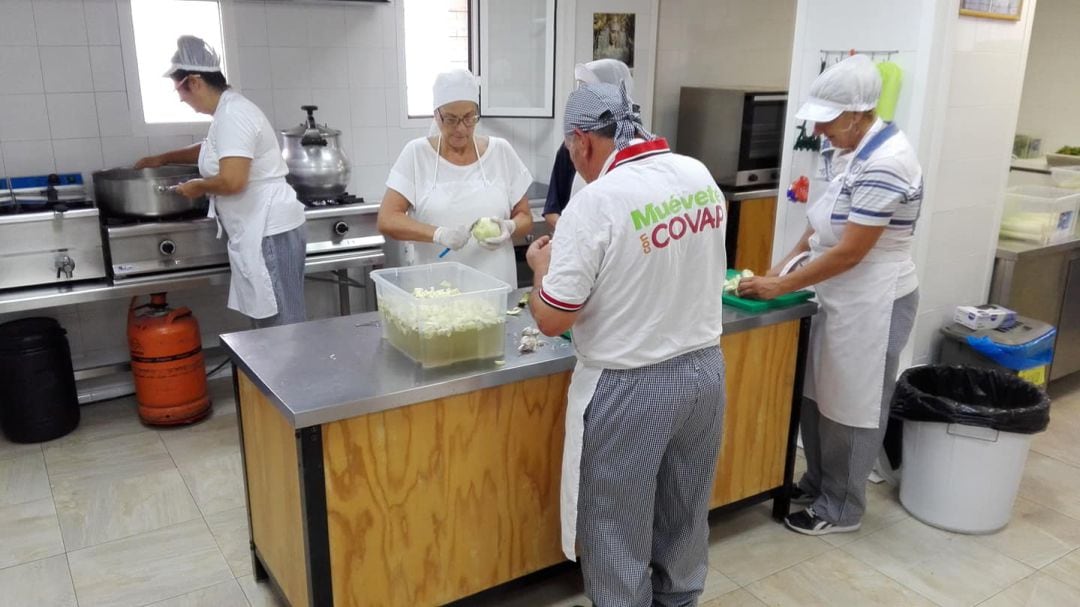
{"x":318,"y":167}
{"x":146,"y":192}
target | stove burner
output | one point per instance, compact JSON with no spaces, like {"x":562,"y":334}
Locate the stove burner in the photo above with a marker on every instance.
{"x":344,"y":199}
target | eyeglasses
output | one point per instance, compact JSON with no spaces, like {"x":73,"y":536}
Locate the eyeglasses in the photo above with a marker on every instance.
{"x":179,"y":84}
{"x":452,"y":121}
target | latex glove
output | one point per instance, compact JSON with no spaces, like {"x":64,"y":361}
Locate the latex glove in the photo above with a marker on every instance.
{"x":452,"y":237}
{"x":506,"y":230}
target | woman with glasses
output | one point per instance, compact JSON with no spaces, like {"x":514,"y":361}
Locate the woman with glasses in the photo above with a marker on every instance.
{"x":442,"y":185}
{"x":243,"y":173}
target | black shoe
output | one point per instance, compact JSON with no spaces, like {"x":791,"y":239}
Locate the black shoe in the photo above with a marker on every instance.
{"x":808,"y":523}
{"x":800,"y":497}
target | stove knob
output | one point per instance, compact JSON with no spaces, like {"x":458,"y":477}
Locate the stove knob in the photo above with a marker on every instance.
{"x":340,"y":228}
{"x":167,"y":247}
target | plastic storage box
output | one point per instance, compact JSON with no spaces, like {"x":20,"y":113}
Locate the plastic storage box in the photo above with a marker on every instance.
{"x":1066,"y":177}
{"x":1039,"y":214}
{"x":442,"y":313}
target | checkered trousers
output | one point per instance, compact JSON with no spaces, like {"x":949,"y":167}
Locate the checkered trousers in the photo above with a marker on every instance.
{"x":652,"y":437}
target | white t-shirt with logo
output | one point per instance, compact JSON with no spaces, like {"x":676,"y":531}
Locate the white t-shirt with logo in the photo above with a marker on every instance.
{"x":640,"y":253}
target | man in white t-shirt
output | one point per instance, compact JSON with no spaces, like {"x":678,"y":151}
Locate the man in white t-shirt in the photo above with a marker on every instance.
{"x":637,"y":269}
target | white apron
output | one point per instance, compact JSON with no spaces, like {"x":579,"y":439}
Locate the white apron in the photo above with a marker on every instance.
{"x":850,"y":333}
{"x":582,"y":387}
{"x":250,"y":290}
{"x":455,"y":202}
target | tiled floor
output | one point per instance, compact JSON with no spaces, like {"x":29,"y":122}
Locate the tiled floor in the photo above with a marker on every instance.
{"x":119,"y":514}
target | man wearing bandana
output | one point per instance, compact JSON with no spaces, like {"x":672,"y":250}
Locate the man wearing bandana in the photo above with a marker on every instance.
{"x":636,"y":269}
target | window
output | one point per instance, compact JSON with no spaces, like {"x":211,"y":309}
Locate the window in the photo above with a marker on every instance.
{"x":436,"y":39}
{"x":157,"y":24}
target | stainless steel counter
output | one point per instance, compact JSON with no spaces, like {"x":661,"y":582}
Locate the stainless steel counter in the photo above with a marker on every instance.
{"x":327,"y":370}
{"x":735,"y":196}
{"x":1015,"y":249}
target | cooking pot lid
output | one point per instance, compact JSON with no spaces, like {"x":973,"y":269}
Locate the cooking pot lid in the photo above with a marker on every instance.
{"x":309,"y":131}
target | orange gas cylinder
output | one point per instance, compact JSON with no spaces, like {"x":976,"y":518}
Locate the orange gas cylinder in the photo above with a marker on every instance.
{"x":167,"y":362}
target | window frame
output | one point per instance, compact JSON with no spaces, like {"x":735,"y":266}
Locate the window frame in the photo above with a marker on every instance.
{"x":133,"y":83}
{"x":422,"y":121}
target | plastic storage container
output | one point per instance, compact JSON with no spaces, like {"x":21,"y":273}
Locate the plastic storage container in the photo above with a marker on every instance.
{"x":442,"y":313}
{"x":1066,"y":177}
{"x":1039,"y":214}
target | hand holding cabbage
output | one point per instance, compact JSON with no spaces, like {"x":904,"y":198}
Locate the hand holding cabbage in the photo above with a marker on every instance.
{"x":491,"y":232}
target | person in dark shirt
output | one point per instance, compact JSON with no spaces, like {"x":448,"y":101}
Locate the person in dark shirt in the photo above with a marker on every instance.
{"x":564,"y":181}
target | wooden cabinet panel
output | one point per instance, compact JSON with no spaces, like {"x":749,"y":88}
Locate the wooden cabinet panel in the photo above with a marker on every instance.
{"x":760,"y":378}
{"x":753,"y":247}
{"x":273,"y":484}
{"x":445,"y":498}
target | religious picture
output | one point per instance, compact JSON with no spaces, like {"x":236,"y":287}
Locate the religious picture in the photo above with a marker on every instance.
{"x":613,"y":37}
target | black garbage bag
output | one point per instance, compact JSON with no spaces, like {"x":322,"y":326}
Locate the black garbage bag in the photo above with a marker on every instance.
{"x":972,"y":396}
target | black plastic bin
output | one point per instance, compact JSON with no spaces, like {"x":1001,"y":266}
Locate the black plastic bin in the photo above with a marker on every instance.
{"x":38,"y":400}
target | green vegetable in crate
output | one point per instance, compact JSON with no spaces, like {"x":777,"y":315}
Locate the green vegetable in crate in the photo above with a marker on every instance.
{"x":731,"y":285}
{"x":1070,"y":150}
{"x":485,"y":228}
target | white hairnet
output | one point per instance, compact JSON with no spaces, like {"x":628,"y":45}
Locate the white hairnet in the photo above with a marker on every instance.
{"x":607,"y":71}
{"x":194,"y":55}
{"x":853,"y":85}
{"x":455,"y":85}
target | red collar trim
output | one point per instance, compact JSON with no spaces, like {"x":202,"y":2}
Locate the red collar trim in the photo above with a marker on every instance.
{"x":638,"y":151}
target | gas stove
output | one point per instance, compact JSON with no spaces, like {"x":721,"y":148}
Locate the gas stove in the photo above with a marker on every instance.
{"x":142,"y":249}
{"x":49,"y":232}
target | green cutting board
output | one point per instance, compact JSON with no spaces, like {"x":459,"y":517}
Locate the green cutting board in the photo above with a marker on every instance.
{"x":761,"y":305}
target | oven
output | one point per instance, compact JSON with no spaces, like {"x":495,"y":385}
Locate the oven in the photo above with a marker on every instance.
{"x":737,"y":133}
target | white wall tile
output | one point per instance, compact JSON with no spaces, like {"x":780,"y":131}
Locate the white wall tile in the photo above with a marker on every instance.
{"x":391,"y":68}
{"x":107,"y":68}
{"x":286,"y":25}
{"x":368,"y":107}
{"x":78,"y":155}
{"x":369,"y":182}
{"x":23,"y":117}
{"x":158,"y":144}
{"x":287,"y":102}
{"x":66,"y":69}
{"x":17,"y":23}
{"x":253,"y":67}
{"x":113,"y":114}
{"x":333,"y":108}
{"x":369,"y":147}
{"x":123,"y":151}
{"x":72,"y":115}
{"x":364,"y":27}
{"x":20,"y":70}
{"x":102,"y":24}
{"x":329,"y":67}
{"x":60,"y":22}
{"x":290,"y":67}
{"x":23,"y":158}
{"x":264,"y":98}
{"x":326,"y":26}
{"x":971,"y":86}
{"x":250,"y":20}
{"x":365,"y":69}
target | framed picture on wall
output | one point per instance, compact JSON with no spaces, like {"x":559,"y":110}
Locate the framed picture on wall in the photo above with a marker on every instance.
{"x":1008,"y":10}
{"x":613,"y":37}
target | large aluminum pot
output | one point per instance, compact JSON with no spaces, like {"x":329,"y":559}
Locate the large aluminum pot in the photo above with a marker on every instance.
{"x":146,"y":192}
{"x":318,"y":167}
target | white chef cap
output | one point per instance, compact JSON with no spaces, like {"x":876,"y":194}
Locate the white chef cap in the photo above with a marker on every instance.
{"x":193,"y":55}
{"x":607,"y":71}
{"x":455,"y":85}
{"x":853,"y":85}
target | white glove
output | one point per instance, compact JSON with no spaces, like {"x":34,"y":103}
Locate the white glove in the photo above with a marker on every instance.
{"x":506,"y":230}
{"x":453,"y":237}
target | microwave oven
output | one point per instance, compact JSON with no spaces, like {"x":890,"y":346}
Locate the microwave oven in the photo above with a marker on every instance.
{"x":737,"y":133}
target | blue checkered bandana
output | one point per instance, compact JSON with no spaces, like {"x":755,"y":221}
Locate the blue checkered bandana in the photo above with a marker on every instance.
{"x":595,"y":106}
